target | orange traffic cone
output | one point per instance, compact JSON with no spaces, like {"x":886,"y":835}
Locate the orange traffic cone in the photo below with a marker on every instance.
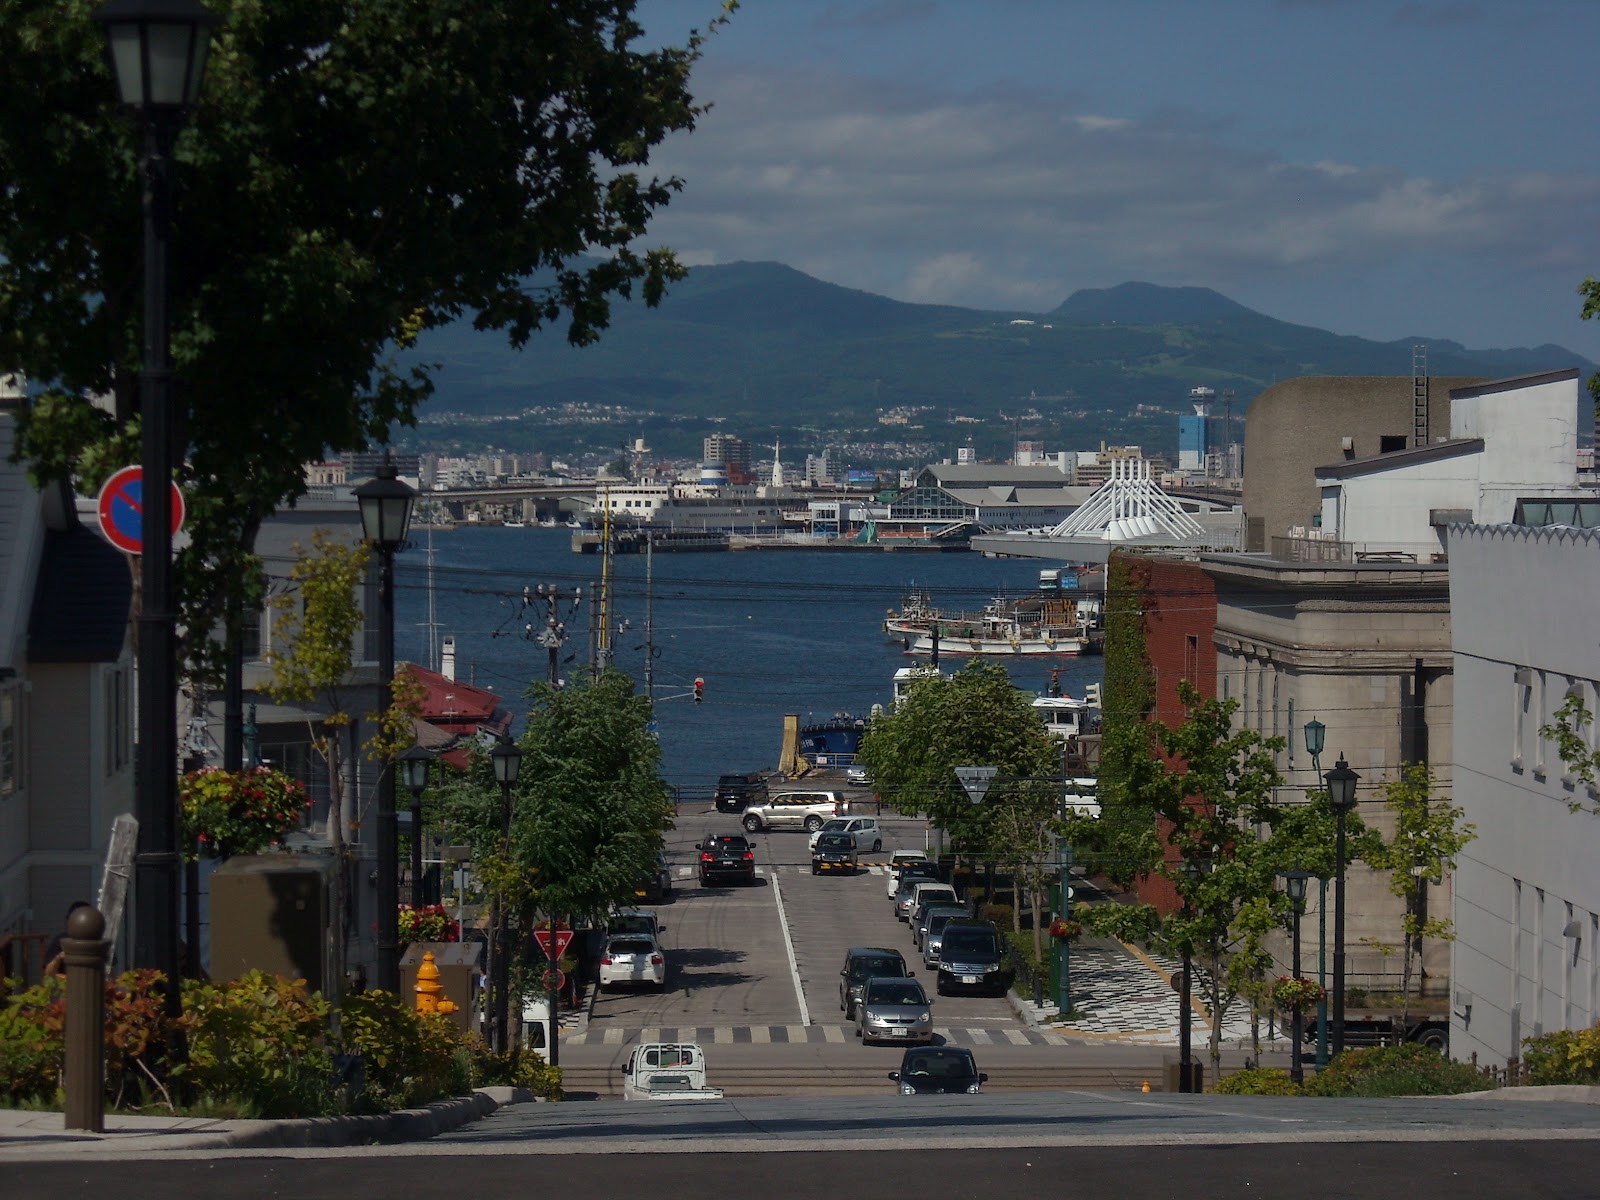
{"x":1146,"y":1086}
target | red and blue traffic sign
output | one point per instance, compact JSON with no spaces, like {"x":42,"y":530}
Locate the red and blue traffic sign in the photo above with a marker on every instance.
{"x":122,"y":510}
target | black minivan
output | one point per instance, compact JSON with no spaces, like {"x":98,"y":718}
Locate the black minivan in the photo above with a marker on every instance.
{"x":735,"y":791}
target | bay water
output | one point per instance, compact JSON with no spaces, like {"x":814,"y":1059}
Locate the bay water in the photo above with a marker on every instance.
{"x":770,"y":631}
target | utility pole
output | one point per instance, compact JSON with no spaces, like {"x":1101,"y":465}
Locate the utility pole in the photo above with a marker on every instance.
{"x":649,"y":620}
{"x":552,"y":632}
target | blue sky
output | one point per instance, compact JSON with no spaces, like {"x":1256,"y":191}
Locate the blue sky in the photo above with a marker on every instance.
{"x":1391,"y":169}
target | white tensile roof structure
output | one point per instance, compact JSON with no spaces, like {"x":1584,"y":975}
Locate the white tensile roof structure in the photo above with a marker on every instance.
{"x":1131,"y":508}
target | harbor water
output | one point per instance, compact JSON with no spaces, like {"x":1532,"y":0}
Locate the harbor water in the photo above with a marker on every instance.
{"x":770,"y":632}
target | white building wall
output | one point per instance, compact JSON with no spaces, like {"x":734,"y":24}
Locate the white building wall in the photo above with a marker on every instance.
{"x":1389,"y":508}
{"x":1527,"y":894}
{"x":1530,"y":435}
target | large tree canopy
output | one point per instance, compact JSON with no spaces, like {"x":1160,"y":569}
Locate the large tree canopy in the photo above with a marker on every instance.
{"x":359,"y":171}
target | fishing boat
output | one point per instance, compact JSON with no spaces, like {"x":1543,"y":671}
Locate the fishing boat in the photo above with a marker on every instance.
{"x":1037,"y":625}
{"x":915,"y":615}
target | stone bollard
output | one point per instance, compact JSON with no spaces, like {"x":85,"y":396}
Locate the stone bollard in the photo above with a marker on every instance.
{"x":84,"y":953}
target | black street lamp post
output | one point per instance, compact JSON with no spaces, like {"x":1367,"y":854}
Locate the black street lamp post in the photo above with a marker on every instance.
{"x":1294,"y":883}
{"x":414,"y":766}
{"x":158,"y":56}
{"x":1192,"y":872}
{"x":507,"y":759}
{"x":1315,"y":733}
{"x":385,"y":517}
{"x":1342,"y":798}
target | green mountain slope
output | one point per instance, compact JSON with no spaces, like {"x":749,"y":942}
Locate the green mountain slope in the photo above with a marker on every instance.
{"x":766,"y":343}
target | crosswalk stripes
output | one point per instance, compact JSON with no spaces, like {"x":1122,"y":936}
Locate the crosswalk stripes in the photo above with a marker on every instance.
{"x":727,"y":1035}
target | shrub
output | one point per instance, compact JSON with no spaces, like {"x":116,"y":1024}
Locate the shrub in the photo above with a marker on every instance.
{"x":1408,"y":1069}
{"x":1565,"y":1056}
{"x":409,"y":1058}
{"x":33,"y":1039}
{"x":1000,"y":914}
{"x":519,"y":1067}
{"x":1258,"y":1081}
{"x":260,"y":1042}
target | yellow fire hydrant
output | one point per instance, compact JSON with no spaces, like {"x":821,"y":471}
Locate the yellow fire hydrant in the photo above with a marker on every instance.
{"x":429,"y":987}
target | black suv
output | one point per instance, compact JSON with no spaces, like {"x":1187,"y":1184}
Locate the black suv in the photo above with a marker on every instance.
{"x":726,"y":856}
{"x":735,"y":791}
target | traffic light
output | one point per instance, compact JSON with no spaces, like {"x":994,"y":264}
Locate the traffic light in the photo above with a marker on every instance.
{"x":699,"y":690}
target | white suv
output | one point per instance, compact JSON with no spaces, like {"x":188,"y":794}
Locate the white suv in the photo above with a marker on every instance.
{"x":865,"y":830}
{"x":794,"y":810}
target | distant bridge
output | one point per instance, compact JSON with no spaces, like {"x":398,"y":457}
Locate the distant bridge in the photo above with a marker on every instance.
{"x":530,"y":501}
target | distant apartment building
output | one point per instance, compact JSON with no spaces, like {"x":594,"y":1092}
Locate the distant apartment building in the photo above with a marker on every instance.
{"x":732,"y":452}
{"x":822,"y":469}
{"x":363,"y":464}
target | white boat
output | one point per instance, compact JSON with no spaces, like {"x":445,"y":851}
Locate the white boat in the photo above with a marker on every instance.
{"x":515,"y":524}
{"x":1031,"y":627}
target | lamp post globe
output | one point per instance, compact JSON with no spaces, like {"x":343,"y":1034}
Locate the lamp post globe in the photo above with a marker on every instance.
{"x":1341,"y":781}
{"x":157,"y":52}
{"x":1315,"y":733}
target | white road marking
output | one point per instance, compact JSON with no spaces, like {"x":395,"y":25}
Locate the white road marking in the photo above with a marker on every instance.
{"x":613,"y":1036}
{"x":788,"y":947}
{"x":833,"y":1033}
{"x":1016,"y":1037}
{"x":760,"y":1034}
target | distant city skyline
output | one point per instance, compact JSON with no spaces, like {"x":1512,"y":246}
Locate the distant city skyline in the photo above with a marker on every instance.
{"x":1390,"y":169}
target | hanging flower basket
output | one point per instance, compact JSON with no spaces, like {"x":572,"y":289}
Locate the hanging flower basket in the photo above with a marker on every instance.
{"x":238,"y":812}
{"x":430,"y":923}
{"x":1292,"y":993}
{"x":1064,"y":930}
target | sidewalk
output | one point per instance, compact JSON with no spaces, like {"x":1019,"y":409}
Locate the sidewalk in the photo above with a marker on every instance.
{"x":37,"y":1135}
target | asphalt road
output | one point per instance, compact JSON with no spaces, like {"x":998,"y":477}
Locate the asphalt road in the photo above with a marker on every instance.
{"x":1463,"y":1170}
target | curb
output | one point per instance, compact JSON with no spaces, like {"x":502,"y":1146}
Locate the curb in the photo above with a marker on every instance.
{"x":406,"y":1125}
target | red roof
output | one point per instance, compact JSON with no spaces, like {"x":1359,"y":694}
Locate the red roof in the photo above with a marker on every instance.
{"x":460,"y":709}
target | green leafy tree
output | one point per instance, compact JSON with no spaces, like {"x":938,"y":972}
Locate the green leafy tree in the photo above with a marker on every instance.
{"x":1428,"y":835}
{"x":591,"y":803}
{"x":357,"y":174}
{"x":315,"y":626}
{"x":976,"y":717}
{"x":1589,"y":289}
{"x":1216,"y":794}
{"x":1569,"y":731}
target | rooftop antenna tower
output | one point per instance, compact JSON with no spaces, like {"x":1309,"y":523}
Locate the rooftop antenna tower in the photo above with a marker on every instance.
{"x":1419,"y":394}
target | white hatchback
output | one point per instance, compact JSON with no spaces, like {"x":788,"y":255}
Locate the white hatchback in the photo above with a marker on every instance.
{"x":633,"y":958}
{"x":898,"y":859}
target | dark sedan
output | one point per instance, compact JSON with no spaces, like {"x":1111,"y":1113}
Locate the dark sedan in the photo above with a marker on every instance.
{"x":938,"y":1069}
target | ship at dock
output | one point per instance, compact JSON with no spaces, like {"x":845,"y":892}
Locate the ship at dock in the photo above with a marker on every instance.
{"x":1062,"y":618}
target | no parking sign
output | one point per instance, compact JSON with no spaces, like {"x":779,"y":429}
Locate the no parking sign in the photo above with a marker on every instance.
{"x":122,"y":510}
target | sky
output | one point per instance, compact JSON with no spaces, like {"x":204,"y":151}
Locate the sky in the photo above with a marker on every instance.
{"x":1391,"y":169}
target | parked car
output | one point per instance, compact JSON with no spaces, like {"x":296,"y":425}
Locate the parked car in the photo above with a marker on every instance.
{"x":634,"y":920}
{"x":969,"y":958}
{"x":924,"y":914}
{"x":858,"y":775}
{"x":894,"y":1010}
{"x":835,"y":852}
{"x":938,"y":1069}
{"x":860,"y":964}
{"x":868,"y":836}
{"x":902,"y":862}
{"x":922,"y":891}
{"x":726,"y":856}
{"x":633,"y":958}
{"x":794,"y":810}
{"x":734,"y":792}
{"x":933,"y":935}
{"x":656,"y":887}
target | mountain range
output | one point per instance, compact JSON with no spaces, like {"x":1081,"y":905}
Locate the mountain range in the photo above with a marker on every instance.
{"x":762,"y":343}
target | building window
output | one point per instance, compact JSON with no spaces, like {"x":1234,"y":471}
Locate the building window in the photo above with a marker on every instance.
{"x":1191,"y":658}
{"x":119,"y":720}
{"x":1538,"y":691}
{"x":10,"y":743}
{"x":1294,"y":734}
{"x":1521,"y":698}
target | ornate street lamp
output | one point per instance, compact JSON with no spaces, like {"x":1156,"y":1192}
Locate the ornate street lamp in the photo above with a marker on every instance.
{"x":1342,"y":798}
{"x":1294,"y":882}
{"x":158,"y":51}
{"x":1193,"y":870}
{"x":507,"y":760}
{"x":385,"y":517}
{"x":414,"y":769}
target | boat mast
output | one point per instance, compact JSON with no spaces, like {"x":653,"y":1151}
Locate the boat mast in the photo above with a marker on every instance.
{"x":649,"y":619}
